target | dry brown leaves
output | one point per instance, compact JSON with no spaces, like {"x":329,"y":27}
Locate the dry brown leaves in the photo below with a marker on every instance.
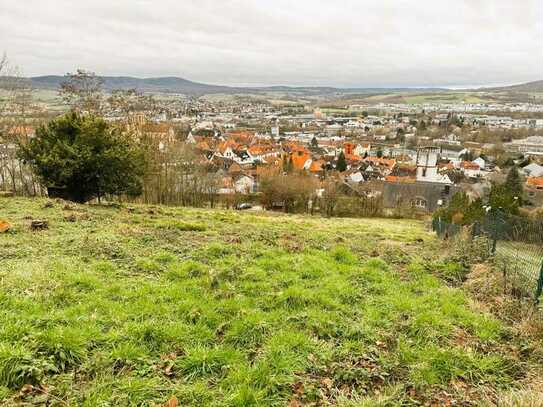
{"x":4,"y":226}
{"x":173,"y":402}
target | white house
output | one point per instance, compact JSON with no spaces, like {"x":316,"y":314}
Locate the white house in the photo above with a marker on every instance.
{"x":361,"y":149}
{"x":190,"y":138}
{"x":355,"y":177}
{"x":470,"y":169}
{"x":532,"y":144}
{"x":480,"y":162}
{"x":204,"y":125}
{"x":427,"y":170}
{"x":238,"y":156}
{"x":245,"y":184}
{"x":533,"y":170}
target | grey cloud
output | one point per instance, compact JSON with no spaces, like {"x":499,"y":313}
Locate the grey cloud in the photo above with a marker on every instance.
{"x":296,"y":42}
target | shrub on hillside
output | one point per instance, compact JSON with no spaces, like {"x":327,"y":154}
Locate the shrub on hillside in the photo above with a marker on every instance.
{"x":81,"y":157}
{"x":461,"y":211}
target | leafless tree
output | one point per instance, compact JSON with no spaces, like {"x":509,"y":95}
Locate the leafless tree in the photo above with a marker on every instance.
{"x":292,"y":191}
{"x":129,"y":101}
{"x":82,"y":91}
{"x":5,"y":79}
{"x":16,"y":90}
{"x":21,"y":97}
{"x":3,"y":63}
{"x":15,"y":105}
{"x":330,"y":197}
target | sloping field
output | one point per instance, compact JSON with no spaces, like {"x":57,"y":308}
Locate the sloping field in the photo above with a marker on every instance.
{"x":135,"y":306}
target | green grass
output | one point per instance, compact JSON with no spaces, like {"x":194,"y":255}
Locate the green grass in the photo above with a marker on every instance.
{"x":430,"y":97}
{"x":220,"y":308}
{"x":449,"y":97}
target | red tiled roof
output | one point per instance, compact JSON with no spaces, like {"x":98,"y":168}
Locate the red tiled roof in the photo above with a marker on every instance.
{"x":447,"y":166}
{"x":299,"y":160}
{"x":468,"y":165}
{"x":21,"y":131}
{"x":352,"y":157}
{"x":316,"y":166}
{"x":535,"y":182}
{"x":393,"y":178}
{"x":388,"y":162}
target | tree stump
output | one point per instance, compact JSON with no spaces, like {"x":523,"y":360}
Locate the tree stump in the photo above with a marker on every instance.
{"x":37,"y":225}
{"x":71,"y":218}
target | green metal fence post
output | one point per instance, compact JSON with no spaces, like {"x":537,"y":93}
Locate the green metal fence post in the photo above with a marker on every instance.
{"x":539,"y":290}
{"x":495,"y":234}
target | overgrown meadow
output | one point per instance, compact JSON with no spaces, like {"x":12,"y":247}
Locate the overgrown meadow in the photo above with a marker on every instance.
{"x":122,"y":306}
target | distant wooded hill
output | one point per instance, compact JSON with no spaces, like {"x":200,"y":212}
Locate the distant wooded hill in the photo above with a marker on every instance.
{"x":536,"y":86}
{"x":165,"y":84}
{"x":184,"y":86}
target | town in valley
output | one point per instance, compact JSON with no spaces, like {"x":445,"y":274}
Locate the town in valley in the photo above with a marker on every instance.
{"x":398,"y":158}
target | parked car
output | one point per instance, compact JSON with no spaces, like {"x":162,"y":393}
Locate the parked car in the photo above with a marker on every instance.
{"x":243,"y":206}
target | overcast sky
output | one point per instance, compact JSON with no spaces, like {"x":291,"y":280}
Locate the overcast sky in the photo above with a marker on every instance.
{"x":292,"y":42}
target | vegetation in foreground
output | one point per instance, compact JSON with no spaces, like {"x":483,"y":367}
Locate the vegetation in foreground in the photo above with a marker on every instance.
{"x":133,"y":306}
{"x":82,"y":157}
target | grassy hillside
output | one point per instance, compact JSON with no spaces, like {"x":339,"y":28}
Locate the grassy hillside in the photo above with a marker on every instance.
{"x":536,"y":86}
{"x":132,"y":306}
{"x":431,"y":97}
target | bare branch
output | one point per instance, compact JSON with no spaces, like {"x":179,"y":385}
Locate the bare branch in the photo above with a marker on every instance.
{"x":82,"y":91}
{"x":3,"y":64}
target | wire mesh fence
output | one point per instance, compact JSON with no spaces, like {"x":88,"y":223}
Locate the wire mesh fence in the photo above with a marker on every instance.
{"x":515,"y":243}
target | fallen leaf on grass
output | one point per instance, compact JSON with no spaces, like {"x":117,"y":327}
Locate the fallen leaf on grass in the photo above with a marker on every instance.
{"x":4,"y":226}
{"x":327,"y":382}
{"x":173,"y":402}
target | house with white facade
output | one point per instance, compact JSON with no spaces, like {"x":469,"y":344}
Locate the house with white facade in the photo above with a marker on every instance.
{"x":480,"y":162}
{"x":533,"y":144}
{"x":239,"y":156}
{"x":427,"y":169}
{"x":533,"y":170}
{"x":245,"y":184}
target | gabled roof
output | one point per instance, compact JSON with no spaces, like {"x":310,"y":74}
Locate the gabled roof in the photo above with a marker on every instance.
{"x":405,"y":158}
{"x":533,"y":169}
{"x":243,"y":154}
{"x":386,"y":162}
{"x":21,"y":131}
{"x":203,"y":146}
{"x":244,"y":137}
{"x":468,"y":165}
{"x":393,"y":178}
{"x":536,"y":182}
{"x":317,"y":166}
{"x":355,"y":176}
{"x":260,"y":149}
{"x":353,"y":157}
{"x":446,"y":166}
{"x":295,"y":147}
{"x":299,"y":160}
{"x":226,"y":145}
